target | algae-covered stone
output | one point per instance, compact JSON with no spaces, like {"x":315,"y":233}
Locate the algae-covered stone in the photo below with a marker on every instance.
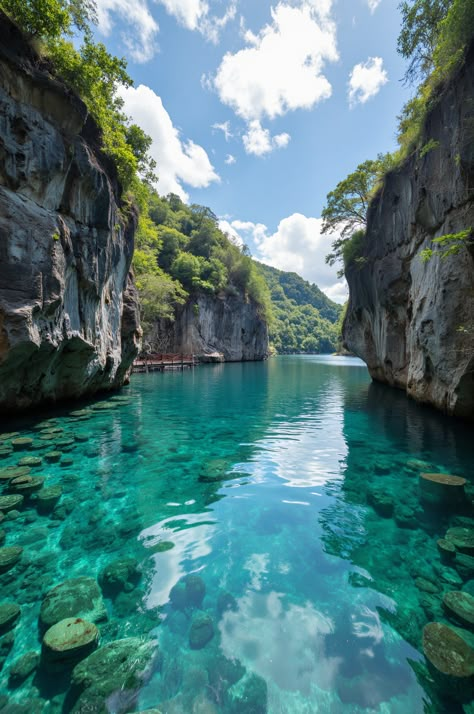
{"x":11,"y":472}
{"x":26,"y":484}
{"x":81,"y":413}
{"x":31,"y":461}
{"x":188,"y":592}
{"x":446,"y":549}
{"x":381,"y":502}
{"x":23,"y":442}
{"x":460,"y":606}
{"x":23,"y":667}
{"x":11,"y":502}
{"x":9,"y":614}
{"x":451,"y":659}
{"x":248,"y":696}
{"x":78,"y":597}
{"x":81,"y":438}
{"x":464,"y":564}
{"x":462,"y":538}
{"x":442,"y":490}
{"x":8,"y":436}
{"x":53,"y":456}
{"x":426,"y":586}
{"x":214,"y":470}
{"x":115,"y":667}
{"x":47,"y":498}
{"x":66,"y":461}
{"x":202,"y":630}
{"x":9,"y":556}
{"x":69,"y":639}
{"x":119,"y":575}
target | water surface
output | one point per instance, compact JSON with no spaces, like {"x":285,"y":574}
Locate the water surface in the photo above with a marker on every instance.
{"x":265,"y":481}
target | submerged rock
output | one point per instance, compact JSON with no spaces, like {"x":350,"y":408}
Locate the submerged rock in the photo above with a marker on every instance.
{"x":47,"y":498}
{"x":9,"y":614}
{"x":23,"y":442}
{"x":26,"y":484}
{"x":119,"y":575}
{"x":78,"y":597}
{"x":202,"y":631}
{"x":248,"y":696}
{"x":442,"y":490}
{"x":381,"y":502}
{"x":460,"y":606}
{"x":462,"y":538}
{"x":9,"y":556}
{"x":451,"y":659}
{"x":10,"y":503}
{"x":188,"y":592}
{"x":23,"y":667}
{"x":69,"y":639}
{"x":446,"y":549}
{"x":31,"y":461}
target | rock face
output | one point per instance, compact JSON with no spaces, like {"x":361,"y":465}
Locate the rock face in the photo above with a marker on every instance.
{"x":68,"y":308}
{"x":225,"y":329}
{"x":410,"y":321}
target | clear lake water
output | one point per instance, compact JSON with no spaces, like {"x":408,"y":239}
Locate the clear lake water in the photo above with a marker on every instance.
{"x":275,"y":555}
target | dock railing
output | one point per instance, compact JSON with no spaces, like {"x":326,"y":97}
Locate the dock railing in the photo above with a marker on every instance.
{"x":158,"y":362}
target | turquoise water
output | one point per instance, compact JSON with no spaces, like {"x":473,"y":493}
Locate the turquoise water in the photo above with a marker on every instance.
{"x":289,"y":491}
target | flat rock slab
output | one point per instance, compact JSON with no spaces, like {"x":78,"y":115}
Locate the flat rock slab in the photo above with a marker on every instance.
{"x":442,"y":490}
{"x":12,"y":472}
{"x":47,"y":498}
{"x":78,"y":597}
{"x":11,"y":502}
{"x":447,"y":651}
{"x":462,"y":539}
{"x":460,"y":605}
{"x":72,"y":638}
{"x":9,"y":556}
{"x":26,"y":484}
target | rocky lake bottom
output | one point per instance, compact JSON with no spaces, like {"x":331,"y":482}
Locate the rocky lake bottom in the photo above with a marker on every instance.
{"x":238,"y":539}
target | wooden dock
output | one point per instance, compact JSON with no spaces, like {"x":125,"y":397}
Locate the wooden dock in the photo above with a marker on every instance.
{"x":160,"y":362}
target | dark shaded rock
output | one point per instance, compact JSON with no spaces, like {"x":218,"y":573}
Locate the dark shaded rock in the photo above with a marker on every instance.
{"x":202,"y":630}
{"x":460,"y":607}
{"x":23,"y":667}
{"x":248,"y":696}
{"x":9,"y":556}
{"x":21,"y":443}
{"x":188,"y":592}
{"x":442,"y":490}
{"x":462,"y":538}
{"x":11,"y":503}
{"x":119,"y":575}
{"x":447,"y":550}
{"x":464,"y":564}
{"x":451,"y":660}
{"x":47,"y":498}
{"x":78,"y":597}
{"x":26,"y":484}
{"x":381,"y":502}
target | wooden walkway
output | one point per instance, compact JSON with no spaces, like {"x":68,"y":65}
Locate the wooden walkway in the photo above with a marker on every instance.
{"x":160,"y":362}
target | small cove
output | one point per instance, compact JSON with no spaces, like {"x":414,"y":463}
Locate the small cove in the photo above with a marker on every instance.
{"x":288,"y":491}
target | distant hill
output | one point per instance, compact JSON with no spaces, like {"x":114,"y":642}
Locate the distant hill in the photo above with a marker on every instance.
{"x":304,"y":318}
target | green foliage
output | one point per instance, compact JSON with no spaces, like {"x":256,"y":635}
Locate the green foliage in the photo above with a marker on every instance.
{"x":449,"y":244}
{"x":159,"y":294}
{"x":49,"y":19}
{"x":429,"y":146}
{"x":346,"y":207}
{"x":352,"y":250}
{"x":419,"y":34}
{"x":304,"y":319}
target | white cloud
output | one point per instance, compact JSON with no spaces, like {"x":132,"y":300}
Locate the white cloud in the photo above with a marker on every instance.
{"x":178,"y":161}
{"x":225,"y":128}
{"x":142,"y":28}
{"x":230,"y":231}
{"x":281,"y":69}
{"x":258,"y":141}
{"x":366,"y":80}
{"x":373,"y":5}
{"x":297,"y":245}
{"x":229,"y":160}
{"x":195,"y":15}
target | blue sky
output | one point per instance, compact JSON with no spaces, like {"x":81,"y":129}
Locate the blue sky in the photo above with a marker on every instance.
{"x":257,"y":109}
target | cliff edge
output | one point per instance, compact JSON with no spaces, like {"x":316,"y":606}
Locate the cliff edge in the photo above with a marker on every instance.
{"x":411,"y":321}
{"x":69,"y":321}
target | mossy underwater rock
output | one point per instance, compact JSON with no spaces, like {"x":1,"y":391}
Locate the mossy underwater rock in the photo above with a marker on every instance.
{"x":9,"y":614}
{"x":119,"y":575}
{"x":11,"y":502}
{"x":23,"y":442}
{"x":442,"y":490}
{"x":9,"y":556}
{"x":78,"y":597}
{"x":11,"y":472}
{"x":460,"y":607}
{"x":26,"y":484}
{"x":120,"y":667}
{"x":202,"y":630}
{"x":462,"y":538}
{"x":446,"y":549}
{"x":53,"y":457}
{"x":248,"y":696}
{"x":188,"y":592}
{"x":450,"y":660}
{"x":23,"y":667}
{"x":69,"y":639}
{"x":47,"y":498}
{"x":31,"y":461}
{"x":381,"y":502}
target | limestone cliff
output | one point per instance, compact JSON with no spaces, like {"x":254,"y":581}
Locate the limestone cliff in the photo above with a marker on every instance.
{"x":214,"y":328}
{"x":68,"y":308}
{"x":413,"y":322}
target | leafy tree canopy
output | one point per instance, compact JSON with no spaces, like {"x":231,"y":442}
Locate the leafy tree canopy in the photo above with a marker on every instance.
{"x":419,"y":34}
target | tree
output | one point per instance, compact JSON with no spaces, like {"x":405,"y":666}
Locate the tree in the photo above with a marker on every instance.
{"x":49,"y":19}
{"x":346,"y":208}
{"x":419,"y":34}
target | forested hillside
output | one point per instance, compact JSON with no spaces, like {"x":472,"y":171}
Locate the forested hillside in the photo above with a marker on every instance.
{"x":304,"y":319}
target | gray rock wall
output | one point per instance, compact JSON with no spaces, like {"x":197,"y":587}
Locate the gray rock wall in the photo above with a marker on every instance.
{"x":413,"y":322}
{"x":226,"y":328}
{"x":68,"y":308}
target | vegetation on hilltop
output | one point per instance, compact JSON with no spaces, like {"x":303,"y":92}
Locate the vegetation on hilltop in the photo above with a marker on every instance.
{"x":304,"y":318}
{"x":434,"y":38}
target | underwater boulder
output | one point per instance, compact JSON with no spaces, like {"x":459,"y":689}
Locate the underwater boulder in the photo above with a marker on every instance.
{"x":9,"y":614}
{"x":248,"y":696}
{"x":119,"y":575}
{"x":78,"y":597}
{"x":9,"y":556}
{"x":442,"y":490}
{"x":11,"y":502}
{"x":450,"y":659}
{"x":202,"y":630}
{"x":460,"y":607}
{"x":462,"y":538}
{"x":446,"y":549}
{"x":188,"y":592}
{"x":23,"y":667}
{"x":70,"y":639}
{"x":47,"y":498}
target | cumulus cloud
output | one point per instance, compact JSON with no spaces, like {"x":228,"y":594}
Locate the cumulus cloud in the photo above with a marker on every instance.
{"x":297,"y":245}
{"x":142,"y":28}
{"x":196,"y":15}
{"x":281,"y":69}
{"x":373,"y":5}
{"x":366,"y":80}
{"x":229,"y":160}
{"x":259,"y":141}
{"x":178,"y":160}
{"x":225,"y":128}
